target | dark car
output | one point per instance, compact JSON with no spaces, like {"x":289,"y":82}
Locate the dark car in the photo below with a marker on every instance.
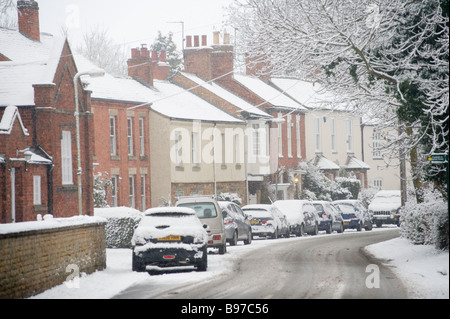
{"x":169,"y":237}
{"x":330,"y":217}
{"x":354,"y":213}
{"x":237,"y":226}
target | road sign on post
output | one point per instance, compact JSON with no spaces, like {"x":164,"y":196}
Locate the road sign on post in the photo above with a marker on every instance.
{"x":438,"y":158}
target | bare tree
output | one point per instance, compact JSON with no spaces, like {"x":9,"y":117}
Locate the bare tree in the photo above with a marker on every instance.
{"x":101,"y":50}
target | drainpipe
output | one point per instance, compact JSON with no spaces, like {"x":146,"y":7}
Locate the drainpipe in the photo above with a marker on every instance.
{"x":93,"y":74}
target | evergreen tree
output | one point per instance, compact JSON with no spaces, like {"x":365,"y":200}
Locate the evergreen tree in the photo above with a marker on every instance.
{"x":173,"y":55}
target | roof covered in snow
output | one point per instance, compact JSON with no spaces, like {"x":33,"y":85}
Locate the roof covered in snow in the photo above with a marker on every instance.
{"x":9,"y":117}
{"x":31,"y":62}
{"x":223,"y":93}
{"x":270,"y":94}
{"x":164,"y":97}
{"x":311,"y":95}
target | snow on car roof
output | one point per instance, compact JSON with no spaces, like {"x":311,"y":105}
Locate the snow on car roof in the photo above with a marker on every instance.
{"x":166,"y":210}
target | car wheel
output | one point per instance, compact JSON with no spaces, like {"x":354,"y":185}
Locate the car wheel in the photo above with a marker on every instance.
{"x":234,"y":240}
{"x":137,"y":264}
{"x":301,"y":230}
{"x":316,"y":230}
{"x":275,"y":234}
{"x":223,"y":249}
{"x":248,"y":241}
{"x":341,"y":229}
{"x":369,"y":227}
{"x":359,"y":227}
{"x":203,"y":264}
{"x":329,"y":230}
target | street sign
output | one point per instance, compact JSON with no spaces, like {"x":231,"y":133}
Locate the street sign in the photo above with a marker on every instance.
{"x":438,"y":158}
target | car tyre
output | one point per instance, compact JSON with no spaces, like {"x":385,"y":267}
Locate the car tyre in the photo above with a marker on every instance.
{"x":234,"y":240}
{"x":316,"y":230}
{"x":301,"y":230}
{"x":223,"y":249}
{"x":203,"y":264}
{"x":329,"y":230}
{"x":341,"y":229}
{"x":275,"y":234}
{"x":248,"y":241}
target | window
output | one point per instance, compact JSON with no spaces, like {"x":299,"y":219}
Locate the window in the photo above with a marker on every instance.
{"x":131,"y":192}
{"x":280,"y":136}
{"x":317,"y":134}
{"x":114,"y":190}
{"x":299,"y":151}
{"x":256,"y":139}
{"x":37,"y":190}
{"x":66,"y":158}
{"x":376,"y":144}
{"x":333,"y":135}
{"x":141,"y":137}
{"x":130,"y":135}
{"x":178,"y":148}
{"x":378,"y":183}
{"x":143,"y":206}
{"x":195,"y":148}
{"x":289,"y":135}
{"x":112,"y":135}
{"x":349,"y":135}
{"x":237,"y":146}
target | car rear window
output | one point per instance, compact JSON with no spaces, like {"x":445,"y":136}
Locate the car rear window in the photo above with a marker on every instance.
{"x":203,"y":210}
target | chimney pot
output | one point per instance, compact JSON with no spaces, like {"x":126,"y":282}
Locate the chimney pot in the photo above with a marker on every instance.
{"x":145,"y":53}
{"x":216,"y":37}
{"x":226,"y":38}
{"x":135,"y":53}
{"x":154,"y":56}
{"x":196,"y":41}
{"x":163,"y":56}
{"x":188,"y":41}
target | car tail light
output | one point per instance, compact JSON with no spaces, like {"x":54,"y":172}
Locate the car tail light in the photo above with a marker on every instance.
{"x":169,"y":257}
{"x":217,"y":237}
{"x":266,"y":221}
{"x":227,"y":221}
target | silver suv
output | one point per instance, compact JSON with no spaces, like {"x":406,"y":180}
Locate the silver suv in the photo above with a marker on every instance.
{"x":209,"y":213}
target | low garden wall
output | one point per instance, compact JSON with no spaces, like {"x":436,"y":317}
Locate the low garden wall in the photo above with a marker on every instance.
{"x":36,"y":256}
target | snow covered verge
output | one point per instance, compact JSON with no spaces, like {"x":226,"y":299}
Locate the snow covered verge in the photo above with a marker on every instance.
{"x":423,"y":269}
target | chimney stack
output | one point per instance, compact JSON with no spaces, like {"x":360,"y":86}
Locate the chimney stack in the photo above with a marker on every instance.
{"x":28,"y":18}
{"x":209,"y":62}
{"x":140,"y":65}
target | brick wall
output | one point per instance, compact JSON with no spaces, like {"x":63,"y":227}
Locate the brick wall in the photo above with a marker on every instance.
{"x":36,"y":260}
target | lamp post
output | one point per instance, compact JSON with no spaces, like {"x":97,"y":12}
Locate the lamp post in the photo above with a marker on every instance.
{"x":92,"y":73}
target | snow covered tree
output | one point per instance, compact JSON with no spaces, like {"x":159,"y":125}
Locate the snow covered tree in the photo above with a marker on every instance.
{"x":173,"y":56}
{"x":384,"y":59}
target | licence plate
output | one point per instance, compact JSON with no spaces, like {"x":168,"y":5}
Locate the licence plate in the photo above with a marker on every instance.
{"x":170,"y":238}
{"x":346,"y":223}
{"x":254,"y":221}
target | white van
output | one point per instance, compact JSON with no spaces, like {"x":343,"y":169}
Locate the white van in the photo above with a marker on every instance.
{"x":209,"y":213}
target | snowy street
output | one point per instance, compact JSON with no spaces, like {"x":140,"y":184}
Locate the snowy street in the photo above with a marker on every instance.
{"x":422,"y":270}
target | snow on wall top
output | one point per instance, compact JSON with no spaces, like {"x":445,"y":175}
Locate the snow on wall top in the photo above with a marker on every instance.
{"x":8,"y":118}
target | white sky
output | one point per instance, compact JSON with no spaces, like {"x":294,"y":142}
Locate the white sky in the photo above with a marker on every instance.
{"x":133,"y":21}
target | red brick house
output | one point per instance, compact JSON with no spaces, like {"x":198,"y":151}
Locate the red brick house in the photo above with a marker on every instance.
{"x":121,"y":127}
{"x":38,"y":144}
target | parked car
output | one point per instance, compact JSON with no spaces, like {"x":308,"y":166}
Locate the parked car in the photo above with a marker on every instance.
{"x":301,"y":215}
{"x":354,"y":213}
{"x":330,"y":217}
{"x":266,"y":220}
{"x":237,"y":226}
{"x":209,"y":213}
{"x":169,"y":237}
{"x":385,"y":207}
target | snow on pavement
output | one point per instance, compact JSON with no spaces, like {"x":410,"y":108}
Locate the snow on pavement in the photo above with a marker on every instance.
{"x":423,"y":269}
